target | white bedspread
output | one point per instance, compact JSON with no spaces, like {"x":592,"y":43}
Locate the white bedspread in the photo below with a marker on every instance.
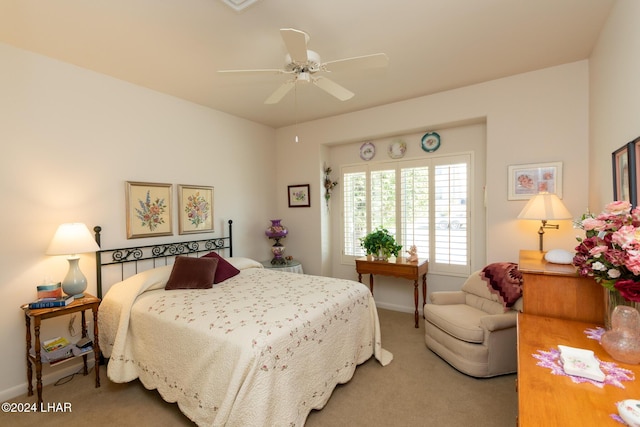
{"x":261,"y":348}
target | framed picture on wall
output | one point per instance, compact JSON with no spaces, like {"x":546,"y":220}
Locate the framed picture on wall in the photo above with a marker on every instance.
{"x":195,"y":209}
{"x":299,"y":196}
{"x":148,"y":207}
{"x":625,"y":172}
{"x":528,"y":180}
{"x":634,"y":170}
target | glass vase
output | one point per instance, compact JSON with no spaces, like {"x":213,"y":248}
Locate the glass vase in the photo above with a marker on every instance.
{"x":622,"y":341}
{"x":613,"y":299}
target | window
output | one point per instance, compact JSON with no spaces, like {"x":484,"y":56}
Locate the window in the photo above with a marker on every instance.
{"x":422,"y":202}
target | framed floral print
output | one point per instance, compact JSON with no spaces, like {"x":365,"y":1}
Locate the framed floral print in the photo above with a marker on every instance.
{"x":528,"y":180}
{"x":148,"y":207}
{"x":299,"y":196}
{"x":195,"y":209}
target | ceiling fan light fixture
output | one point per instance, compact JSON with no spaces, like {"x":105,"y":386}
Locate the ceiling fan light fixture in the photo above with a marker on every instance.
{"x":304,"y":77}
{"x":312,"y":64}
{"x":239,"y":5}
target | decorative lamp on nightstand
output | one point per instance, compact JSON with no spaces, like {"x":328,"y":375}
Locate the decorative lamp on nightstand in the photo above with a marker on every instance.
{"x":72,"y":239}
{"x":544,"y":207}
{"x":277,"y":231}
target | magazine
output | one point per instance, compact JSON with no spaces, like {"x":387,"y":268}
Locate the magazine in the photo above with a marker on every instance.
{"x":55,"y":344}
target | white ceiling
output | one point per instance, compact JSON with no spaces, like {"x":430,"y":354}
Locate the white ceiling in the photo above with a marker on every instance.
{"x":176,"y":46}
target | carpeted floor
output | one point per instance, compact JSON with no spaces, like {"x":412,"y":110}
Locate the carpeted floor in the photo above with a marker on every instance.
{"x":416,"y":389}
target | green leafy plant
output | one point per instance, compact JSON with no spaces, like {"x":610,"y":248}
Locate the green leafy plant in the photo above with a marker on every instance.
{"x":380,"y":242}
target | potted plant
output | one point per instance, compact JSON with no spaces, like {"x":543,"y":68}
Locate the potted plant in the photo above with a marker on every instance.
{"x":381,"y":244}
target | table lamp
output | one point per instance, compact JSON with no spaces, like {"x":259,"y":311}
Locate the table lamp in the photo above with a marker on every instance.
{"x":277,"y":231}
{"x":72,"y":239}
{"x":544,"y":207}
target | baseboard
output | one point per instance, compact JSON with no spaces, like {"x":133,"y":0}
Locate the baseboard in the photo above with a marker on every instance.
{"x":395,"y":307}
{"x":49,"y":378}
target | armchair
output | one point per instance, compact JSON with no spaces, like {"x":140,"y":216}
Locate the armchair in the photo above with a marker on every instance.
{"x":472,"y":330}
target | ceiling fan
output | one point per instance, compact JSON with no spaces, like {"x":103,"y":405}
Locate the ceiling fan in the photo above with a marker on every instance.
{"x":303,"y":64}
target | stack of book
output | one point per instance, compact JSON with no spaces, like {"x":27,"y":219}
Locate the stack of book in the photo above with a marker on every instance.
{"x":51,"y":302}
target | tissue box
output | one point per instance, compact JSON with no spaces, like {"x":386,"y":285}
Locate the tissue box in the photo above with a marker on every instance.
{"x":50,"y":290}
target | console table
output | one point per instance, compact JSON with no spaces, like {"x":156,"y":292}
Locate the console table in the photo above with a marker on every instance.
{"x":398,"y":267}
{"x":545,"y":399}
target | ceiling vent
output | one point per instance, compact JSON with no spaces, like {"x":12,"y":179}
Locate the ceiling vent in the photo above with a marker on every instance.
{"x":239,"y":5}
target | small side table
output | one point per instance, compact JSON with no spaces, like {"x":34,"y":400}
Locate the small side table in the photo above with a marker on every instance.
{"x":401,"y":267}
{"x":38,"y":315}
{"x":292,"y":266}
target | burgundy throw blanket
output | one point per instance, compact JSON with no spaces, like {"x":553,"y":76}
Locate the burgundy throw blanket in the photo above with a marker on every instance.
{"x":505,"y":280}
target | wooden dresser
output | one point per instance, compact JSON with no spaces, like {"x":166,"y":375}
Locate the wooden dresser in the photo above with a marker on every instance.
{"x":556,"y":290}
{"x":545,"y":399}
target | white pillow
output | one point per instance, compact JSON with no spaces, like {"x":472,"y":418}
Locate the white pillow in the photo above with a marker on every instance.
{"x":242,"y":263}
{"x":559,"y":256}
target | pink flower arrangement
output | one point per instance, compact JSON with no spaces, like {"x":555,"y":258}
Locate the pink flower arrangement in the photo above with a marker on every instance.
{"x":610,"y":252}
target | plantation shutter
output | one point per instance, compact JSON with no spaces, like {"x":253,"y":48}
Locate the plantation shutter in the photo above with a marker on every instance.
{"x":383,"y":197}
{"x":354,"y":196}
{"x":414,"y":201}
{"x":451,"y":215}
{"x":421,"y":202}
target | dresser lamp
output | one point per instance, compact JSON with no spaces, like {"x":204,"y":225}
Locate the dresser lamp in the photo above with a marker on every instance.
{"x":73,"y":239}
{"x":544,"y":207}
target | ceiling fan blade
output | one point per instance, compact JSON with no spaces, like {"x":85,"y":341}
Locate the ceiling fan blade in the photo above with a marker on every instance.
{"x":333,"y":88}
{"x":296,"y":42}
{"x":257,"y":71}
{"x":377,"y":60}
{"x":276,"y":96}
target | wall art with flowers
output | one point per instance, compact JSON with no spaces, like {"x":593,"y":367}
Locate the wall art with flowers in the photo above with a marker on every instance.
{"x":299,"y":196}
{"x":195,"y":209}
{"x":148,"y":209}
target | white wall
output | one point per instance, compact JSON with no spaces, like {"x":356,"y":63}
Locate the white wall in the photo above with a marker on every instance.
{"x":615,"y":96}
{"x":535,"y":117}
{"x":70,"y":139}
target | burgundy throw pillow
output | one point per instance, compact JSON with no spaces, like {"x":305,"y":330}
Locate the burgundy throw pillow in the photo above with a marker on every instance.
{"x":192,"y":273}
{"x":225,"y":269}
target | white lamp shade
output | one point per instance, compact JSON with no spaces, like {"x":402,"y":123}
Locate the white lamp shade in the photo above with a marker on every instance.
{"x":545,"y":206}
{"x":72,"y":238}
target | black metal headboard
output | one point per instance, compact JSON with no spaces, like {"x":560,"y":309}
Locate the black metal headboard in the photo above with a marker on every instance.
{"x":159,"y":253}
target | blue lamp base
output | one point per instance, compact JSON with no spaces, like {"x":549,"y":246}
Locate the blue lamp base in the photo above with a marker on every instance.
{"x":74,"y":283}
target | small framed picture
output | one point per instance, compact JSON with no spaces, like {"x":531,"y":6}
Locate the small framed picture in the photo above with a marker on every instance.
{"x":634,"y":171}
{"x":299,"y":196}
{"x":148,"y":207}
{"x":621,"y":170}
{"x":626,"y":172}
{"x":195,"y":209}
{"x":528,"y":180}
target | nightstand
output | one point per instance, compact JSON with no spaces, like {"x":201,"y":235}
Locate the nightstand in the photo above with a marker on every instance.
{"x":88,"y":302}
{"x":292,"y":266}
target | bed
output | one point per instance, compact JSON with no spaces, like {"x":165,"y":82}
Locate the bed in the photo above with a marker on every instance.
{"x":261,"y":347}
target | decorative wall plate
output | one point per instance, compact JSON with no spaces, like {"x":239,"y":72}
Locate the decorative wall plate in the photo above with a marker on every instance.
{"x":430,"y":142}
{"x":397,"y":149}
{"x":367,"y":151}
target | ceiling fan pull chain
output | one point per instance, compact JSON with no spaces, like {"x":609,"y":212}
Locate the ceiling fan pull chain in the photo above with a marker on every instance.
{"x":295,"y":106}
